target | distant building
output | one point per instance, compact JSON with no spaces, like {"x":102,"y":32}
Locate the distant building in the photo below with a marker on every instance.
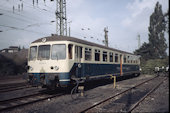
{"x":11,"y":49}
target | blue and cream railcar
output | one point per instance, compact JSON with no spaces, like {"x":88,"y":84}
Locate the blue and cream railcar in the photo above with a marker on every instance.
{"x":59,"y":61}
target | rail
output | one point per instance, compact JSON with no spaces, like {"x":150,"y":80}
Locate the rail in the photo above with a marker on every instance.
{"x":25,"y":100}
{"x":123,"y":92}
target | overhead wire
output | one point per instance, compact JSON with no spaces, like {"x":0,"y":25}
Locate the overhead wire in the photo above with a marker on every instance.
{"x":85,"y":37}
{"x":49,"y":7}
{"x":40,"y":10}
{"x":14,"y":17}
{"x":17,"y":28}
{"x":25,"y":18}
{"x":27,"y":26}
{"x":17,"y":14}
{"x":20,"y":19}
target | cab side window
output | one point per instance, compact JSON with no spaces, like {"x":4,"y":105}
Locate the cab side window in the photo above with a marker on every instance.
{"x":70,"y":51}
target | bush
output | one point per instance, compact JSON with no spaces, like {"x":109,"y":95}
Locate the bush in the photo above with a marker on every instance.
{"x":149,"y":65}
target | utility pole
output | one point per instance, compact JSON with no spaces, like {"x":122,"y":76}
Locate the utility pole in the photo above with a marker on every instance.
{"x":139,"y":41}
{"x":61,"y":19}
{"x":106,"y":36}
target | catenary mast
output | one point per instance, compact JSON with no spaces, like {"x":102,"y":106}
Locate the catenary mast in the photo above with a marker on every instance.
{"x":61,"y":18}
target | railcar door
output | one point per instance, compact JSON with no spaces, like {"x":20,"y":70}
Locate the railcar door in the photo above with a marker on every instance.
{"x":78,"y":57}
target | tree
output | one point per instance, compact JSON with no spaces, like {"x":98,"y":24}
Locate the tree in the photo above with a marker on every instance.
{"x":156,"y":33}
{"x":167,"y":24}
{"x":144,"y":51}
{"x":156,"y":48}
{"x":167,"y":20}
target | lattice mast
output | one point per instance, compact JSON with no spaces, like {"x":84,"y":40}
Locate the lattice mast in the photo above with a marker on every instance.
{"x":61,"y":18}
{"x":139,"y":41}
{"x":106,"y":36}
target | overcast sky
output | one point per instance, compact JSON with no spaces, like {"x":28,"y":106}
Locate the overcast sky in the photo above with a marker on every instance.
{"x":125,"y":19}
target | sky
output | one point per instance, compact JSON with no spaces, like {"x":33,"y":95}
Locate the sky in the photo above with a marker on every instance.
{"x":125,"y":19}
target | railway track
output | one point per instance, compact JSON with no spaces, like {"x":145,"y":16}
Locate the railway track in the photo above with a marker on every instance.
{"x":12,"y":84}
{"x":115,"y":101}
{"x":25,"y":100}
{"x":12,"y":87}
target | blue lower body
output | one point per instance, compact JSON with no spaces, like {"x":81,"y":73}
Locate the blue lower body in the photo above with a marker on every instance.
{"x":101,"y":69}
{"x":83,"y":70}
{"x":49,"y":79}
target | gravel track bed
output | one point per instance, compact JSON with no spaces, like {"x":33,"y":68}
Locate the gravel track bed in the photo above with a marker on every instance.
{"x":64,"y":104}
{"x":158,"y":101}
{"x":124,"y":102}
{"x":19,"y":93}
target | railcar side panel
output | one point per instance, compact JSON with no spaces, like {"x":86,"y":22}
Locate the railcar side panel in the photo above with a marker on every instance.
{"x":90,"y":69}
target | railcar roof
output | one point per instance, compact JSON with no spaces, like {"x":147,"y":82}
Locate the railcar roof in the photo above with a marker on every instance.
{"x":65,"y":38}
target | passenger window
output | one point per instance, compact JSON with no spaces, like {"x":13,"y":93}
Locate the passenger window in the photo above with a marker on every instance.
{"x":116,"y":57}
{"x":97,"y":55}
{"x":104,"y":56}
{"x":134,"y":61}
{"x":124,"y":59}
{"x":111,"y":57}
{"x":70,"y":53}
{"x":128,"y":59}
{"x":78,"y":52}
{"x":88,"y":54}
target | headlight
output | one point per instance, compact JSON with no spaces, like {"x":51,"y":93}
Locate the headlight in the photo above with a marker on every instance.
{"x":30,"y":68}
{"x":27,"y":67}
{"x":56,"y":68}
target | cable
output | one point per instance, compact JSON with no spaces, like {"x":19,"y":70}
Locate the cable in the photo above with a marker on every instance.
{"x":84,"y":36}
{"x":24,"y":19}
{"x":16,"y":28}
{"x":75,"y":89}
{"x":18,"y":14}
{"x":30,"y":25}
{"x":20,"y":19}
{"x":44,"y":10}
{"x":40,"y":10}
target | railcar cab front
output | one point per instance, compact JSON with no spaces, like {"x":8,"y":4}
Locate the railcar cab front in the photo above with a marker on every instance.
{"x":49,"y":62}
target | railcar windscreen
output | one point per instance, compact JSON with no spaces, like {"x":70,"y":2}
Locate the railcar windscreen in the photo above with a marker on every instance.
{"x":44,"y":52}
{"x":33,"y":53}
{"x":58,"y":52}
